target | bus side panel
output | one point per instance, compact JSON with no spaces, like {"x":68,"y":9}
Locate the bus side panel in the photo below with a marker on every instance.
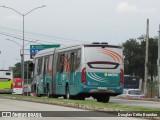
{"x":60,"y":83}
{"x":40,"y":84}
{"x":75,"y":88}
{"x":5,"y":87}
{"x":6,"y":81}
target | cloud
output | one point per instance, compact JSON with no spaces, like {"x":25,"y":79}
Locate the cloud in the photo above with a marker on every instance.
{"x":125,"y":7}
{"x":14,"y":17}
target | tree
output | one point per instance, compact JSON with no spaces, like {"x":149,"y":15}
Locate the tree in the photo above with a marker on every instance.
{"x":134,"y":52}
{"x":17,"y":70}
{"x":133,"y":61}
{"x":152,"y":55}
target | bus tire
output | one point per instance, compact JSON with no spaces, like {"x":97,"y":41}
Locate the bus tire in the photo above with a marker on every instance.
{"x":67,"y":95}
{"x":99,"y":99}
{"x":81,"y":97}
{"x":38,"y":95}
{"x":48,"y":94}
{"x":73,"y":97}
{"x":106,"y":99}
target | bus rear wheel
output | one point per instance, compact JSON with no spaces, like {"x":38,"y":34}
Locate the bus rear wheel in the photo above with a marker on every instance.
{"x":104,"y":98}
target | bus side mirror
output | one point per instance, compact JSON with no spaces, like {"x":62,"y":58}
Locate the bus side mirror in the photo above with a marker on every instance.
{"x":31,"y":67}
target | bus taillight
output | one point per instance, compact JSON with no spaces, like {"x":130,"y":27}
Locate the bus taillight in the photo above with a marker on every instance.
{"x":83,"y":79}
{"x":121,"y":77}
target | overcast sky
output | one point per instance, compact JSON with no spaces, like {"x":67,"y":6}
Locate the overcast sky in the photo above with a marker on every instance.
{"x":72,"y":21}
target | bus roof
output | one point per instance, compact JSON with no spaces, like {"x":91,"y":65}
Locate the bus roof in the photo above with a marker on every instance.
{"x":45,"y":52}
{"x":51,"y":50}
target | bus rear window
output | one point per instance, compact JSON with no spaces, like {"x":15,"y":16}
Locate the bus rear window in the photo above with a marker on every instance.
{"x":103,"y":65}
{"x":8,"y":73}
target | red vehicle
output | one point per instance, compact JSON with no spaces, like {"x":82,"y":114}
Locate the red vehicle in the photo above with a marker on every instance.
{"x":17,"y":86}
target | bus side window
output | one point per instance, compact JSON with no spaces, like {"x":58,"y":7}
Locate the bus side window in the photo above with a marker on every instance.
{"x":39,"y":67}
{"x":45,"y":65}
{"x":73,"y":57}
{"x":61,"y":63}
{"x":78,"y":58}
{"x":50,"y":65}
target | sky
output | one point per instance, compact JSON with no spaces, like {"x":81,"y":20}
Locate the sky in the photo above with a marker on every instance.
{"x":72,"y":22}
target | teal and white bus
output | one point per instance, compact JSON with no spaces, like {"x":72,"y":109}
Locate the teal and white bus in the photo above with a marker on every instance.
{"x":79,"y":71}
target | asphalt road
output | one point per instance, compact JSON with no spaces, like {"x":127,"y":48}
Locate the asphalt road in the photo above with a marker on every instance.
{"x":139,"y":103}
{"x":127,"y":102}
{"x":14,"y":105}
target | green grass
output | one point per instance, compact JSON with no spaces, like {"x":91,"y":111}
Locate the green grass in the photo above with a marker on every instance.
{"x":112,"y":106}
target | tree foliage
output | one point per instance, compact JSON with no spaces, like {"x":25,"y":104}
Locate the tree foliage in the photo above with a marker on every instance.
{"x":134,"y":52}
{"x":17,"y":70}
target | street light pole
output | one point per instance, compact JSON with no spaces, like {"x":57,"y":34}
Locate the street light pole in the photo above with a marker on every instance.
{"x":23,"y":56}
{"x":23,"y":15}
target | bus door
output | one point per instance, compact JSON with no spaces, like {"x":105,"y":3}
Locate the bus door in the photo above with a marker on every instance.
{"x":73,"y":57}
{"x":61,"y":69}
{"x":45,"y":70}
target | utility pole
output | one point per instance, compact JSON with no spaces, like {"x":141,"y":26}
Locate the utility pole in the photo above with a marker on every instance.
{"x":146,"y":60}
{"x":158,"y":63}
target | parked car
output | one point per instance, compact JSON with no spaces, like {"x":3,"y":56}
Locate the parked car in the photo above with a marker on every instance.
{"x":132,"y":93}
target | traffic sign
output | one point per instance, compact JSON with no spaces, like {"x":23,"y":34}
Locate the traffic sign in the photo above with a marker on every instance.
{"x":34,"y":49}
{"x":44,"y":46}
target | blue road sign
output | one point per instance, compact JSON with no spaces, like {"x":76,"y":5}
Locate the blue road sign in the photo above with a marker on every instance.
{"x":35,"y":51}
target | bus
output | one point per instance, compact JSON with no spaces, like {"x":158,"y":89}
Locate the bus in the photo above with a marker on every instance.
{"x":131,"y":82}
{"x":6,"y":81}
{"x":79,"y":71}
{"x":17,"y":86}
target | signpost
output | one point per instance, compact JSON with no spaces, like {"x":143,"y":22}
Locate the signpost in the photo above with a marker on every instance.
{"x":34,"y":49}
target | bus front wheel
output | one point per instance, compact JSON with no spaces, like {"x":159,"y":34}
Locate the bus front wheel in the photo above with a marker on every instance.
{"x":48,"y":94}
{"x":67,"y":95}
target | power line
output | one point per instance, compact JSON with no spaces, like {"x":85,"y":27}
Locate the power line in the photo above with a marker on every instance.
{"x":29,"y":41}
{"x":17,"y":37}
{"x":53,"y":39}
{"x":49,"y":36}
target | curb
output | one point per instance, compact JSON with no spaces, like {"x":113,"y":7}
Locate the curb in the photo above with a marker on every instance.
{"x":73,"y":105}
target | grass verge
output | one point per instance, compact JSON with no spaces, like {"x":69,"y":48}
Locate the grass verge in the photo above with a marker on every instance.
{"x":84,"y":104}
